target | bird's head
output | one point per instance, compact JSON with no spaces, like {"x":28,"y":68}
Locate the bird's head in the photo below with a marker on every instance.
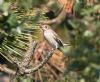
{"x":45,"y":27}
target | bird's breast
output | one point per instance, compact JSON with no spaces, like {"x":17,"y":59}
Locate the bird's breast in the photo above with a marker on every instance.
{"x":50,"y":38}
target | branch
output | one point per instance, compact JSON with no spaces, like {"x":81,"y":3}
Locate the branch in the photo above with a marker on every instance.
{"x":56,"y":20}
{"x":66,"y":10}
{"x":21,"y":65}
{"x":57,"y":68}
{"x":7,"y":70}
{"x":41,"y":64}
{"x":27,"y":58}
{"x":29,"y":53}
{"x":24,"y":70}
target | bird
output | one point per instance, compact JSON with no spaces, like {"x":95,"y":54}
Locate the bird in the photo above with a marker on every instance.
{"x":51,"y":37}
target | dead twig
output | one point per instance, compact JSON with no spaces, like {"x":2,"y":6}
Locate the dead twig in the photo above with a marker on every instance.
{"x":52,"y":71}
{"x":57,"y":68}
{"x":41,"y":64}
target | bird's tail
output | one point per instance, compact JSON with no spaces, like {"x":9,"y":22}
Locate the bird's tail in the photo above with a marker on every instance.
{"x":65,"y":48}
{"x":67,"y":44}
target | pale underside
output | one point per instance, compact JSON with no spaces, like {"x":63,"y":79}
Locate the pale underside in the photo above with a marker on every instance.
{"x":53,"y":39}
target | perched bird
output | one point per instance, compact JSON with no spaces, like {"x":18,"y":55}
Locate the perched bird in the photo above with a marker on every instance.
{"x":51,"y":37}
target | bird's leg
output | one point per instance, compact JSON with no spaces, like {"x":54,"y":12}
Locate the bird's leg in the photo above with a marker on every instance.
{"x":53,"y":49}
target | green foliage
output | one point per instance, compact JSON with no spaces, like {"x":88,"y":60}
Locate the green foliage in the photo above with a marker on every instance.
{"x":27,"y":4}
{"x":16,"y":28}
{"x":85,"y":38}
{"x":78,"y":6}
{"x":12,"y":21}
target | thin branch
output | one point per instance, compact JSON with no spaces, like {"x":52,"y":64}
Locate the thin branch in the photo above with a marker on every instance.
{"x":27,"y":71}
{"x":66,"y":10}
{"x":56,"y":20}
{"x":41,"y":64}
{"x":21,"y":65}
{"x":7,"y":70}
{"x":57,"y":68}
{"x":29,"y":53}
{"x":52,"y":71}
{"x":27,"y":58}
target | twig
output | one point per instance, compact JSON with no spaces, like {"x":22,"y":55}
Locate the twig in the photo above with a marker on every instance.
{"x":40,"y":76}
{"x":41,"y":64}
{"x":66,"y":10}
{"x":52,"y":71}
{"x":57,"y":68}
{"x":27,"y":71}
{"x":29,"y":53}
{"x":27,"y":58}
{"x":21,"y":65}
{"x":7,"y":70}
{"x":56,"y":20}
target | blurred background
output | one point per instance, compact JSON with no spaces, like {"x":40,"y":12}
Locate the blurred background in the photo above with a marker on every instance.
{"x":20,"y":19}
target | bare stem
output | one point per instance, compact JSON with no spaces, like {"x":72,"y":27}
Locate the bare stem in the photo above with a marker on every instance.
{"x":41,"y":64}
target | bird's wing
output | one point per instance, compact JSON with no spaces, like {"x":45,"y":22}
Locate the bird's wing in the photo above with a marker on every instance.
{"x":59,"y":42}
{"x":54,"y":34}
{"x":56,"y":37}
